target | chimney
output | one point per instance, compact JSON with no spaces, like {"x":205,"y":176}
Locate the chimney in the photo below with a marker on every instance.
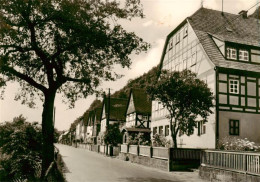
{"x":243,"y":13}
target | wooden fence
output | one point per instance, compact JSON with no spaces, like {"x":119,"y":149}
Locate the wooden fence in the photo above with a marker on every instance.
{"x":160,"y":152}
{"x":133,"y":149}
{"x":246,"y":162}
{"x":102,"y":149}
{"x":124,"y":148}
{"x":145,"y":151}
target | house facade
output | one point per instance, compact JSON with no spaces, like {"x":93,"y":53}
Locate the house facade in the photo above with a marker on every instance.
{"x":96,"y":124}
{"x":113,"y":111}
{"x":138,"y":114}
{"x":224,"y":50}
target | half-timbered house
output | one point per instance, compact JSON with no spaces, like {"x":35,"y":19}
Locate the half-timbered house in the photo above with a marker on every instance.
{"x":113,"y":111}
{"x":138,"y":114}
{"x":224,"y":50}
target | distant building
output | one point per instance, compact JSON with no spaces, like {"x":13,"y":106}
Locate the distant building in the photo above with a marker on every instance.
{"x":224,"y":50}
{"x":138,"y":114}
{"x":96,"y":125}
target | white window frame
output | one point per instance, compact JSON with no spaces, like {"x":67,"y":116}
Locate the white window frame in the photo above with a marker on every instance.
{"x":243,"y":55}
{"x":231,"y":53}
{"x":234,"y":86}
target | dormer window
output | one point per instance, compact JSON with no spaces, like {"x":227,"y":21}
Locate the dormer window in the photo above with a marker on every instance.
{"x":231,"y":53}
{"x":243,"y":55}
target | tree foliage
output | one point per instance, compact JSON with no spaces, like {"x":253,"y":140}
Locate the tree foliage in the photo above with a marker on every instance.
{"x":64,"y":46}
{"x":20,"y":144}
{"x":69,"y":44}
{"x":187,"y":99}
{"x":113,"y":136}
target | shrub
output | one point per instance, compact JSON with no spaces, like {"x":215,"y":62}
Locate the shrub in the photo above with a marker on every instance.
{"x":237,"y":144}
{"x":160,"y":141}
{"x":139,"y":139}
{"x":113,"y":136}
{"x":21,"y":143}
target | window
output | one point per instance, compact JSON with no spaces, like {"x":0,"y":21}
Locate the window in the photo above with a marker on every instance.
{"x":185,"y":32}
{"x":255,"y":56}
{"x":145,"y":118}
{"x":231,"y":53}
{"x":243,"y":55}
{"x":201,"y":128}
{"x":154,"y":130}
{"x":233,"y":127}
{"x":193,"y":59}
{"x":167,"y":132}
{"x":170,"y":44}
{"x":178,"y":38}
{"x":233,"y":86}
{"x":160,"y":130}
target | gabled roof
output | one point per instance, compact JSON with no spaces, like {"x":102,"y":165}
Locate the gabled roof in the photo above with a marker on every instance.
{"x":91,"y":118}
{"x":86,"y":118}
{"x":227,"y":27}
{"x":117,"y":108}
{"x":98,"y":113}
{"x":142,"y":103}
{"x":208,"y":23}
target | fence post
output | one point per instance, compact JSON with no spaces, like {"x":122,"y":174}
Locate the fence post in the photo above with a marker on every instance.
{"x":151,"y":152}
{"x":245,"y":163}
{"x":138,"y":150}
{"x":127,"y":148}
{"x":170,"y":158}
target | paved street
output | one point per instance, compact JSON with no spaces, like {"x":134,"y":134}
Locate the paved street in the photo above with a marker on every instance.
{"x":87,"y":166}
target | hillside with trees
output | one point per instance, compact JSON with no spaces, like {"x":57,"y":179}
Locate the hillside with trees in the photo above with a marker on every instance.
{"x":142,"y":81}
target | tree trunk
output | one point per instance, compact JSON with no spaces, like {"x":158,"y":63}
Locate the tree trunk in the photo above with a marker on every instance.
{"x":47,"y":131}
{"x":173,"y":134}
{"x":174,"y":138}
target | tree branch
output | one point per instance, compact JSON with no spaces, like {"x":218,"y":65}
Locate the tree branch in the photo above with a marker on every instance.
{"x":25,"y":78}
{"x":86,"y":80}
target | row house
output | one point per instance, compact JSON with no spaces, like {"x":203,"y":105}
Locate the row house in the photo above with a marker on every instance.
{"x":80,"y":129}
{"x":224,"y":50}
{"x":113,"y":111}
{"x":138,"y":114}
{"x":96,"y":124}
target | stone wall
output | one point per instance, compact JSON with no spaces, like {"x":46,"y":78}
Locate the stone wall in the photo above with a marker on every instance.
{"x":146,"y":161}
{"x":220,"y":175}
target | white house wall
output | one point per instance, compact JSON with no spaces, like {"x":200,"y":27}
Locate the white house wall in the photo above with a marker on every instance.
{"x":188,"y":53}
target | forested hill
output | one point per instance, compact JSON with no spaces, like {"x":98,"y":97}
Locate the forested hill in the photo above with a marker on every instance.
{"x":139,"y":82}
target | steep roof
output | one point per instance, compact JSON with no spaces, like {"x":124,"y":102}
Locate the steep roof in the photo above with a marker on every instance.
{"x":117,"y":108}
{"x":86,"y":118}
{"x":227,"y":27}
{"x":142,"y":103}
{"x":98,"y":112}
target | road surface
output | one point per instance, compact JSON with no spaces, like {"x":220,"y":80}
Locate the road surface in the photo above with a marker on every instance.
{"x":88,"y":166}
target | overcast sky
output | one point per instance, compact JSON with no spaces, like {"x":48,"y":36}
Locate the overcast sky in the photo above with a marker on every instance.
{"x":162,"y":16}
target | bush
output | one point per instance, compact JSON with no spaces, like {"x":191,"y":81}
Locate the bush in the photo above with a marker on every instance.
{"x":160,"y":141}
{"x":139,"y":139}
{"x":113,"y":136}
{"x":237,"y":144}
{"x":20,"y":144}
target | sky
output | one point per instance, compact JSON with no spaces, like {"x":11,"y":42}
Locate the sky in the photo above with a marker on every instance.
{"x":161,"y":17}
